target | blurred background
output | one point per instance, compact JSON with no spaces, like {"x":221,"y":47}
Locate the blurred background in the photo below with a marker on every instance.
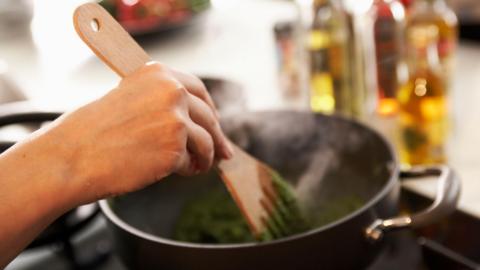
{"x":408,"y":68}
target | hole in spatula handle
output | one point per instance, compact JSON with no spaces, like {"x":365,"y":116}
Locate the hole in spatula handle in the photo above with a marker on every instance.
{"x":108,"y":40}
{"x":95,"y":25}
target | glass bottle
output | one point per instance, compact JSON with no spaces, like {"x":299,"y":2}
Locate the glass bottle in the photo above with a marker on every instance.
{"x":423,"y":107}
{"x":326,"y":44}
{"x":389,"y":31}
{"x":361,"y":52}
{"x":439,"y":14}
{"x":287,"y":60}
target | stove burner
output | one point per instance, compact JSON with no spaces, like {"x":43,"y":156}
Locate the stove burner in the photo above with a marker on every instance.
{"x":101,"y":253}
{"x":439,"y":257}
{"x":401,"y":252}
{"x":66,"y":226}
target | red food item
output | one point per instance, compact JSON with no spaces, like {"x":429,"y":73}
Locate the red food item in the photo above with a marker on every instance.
{"x":139,"y":15}
{"x":179,"y":16}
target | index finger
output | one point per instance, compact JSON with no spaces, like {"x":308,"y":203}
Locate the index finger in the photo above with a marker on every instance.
{"x":196,"y":87}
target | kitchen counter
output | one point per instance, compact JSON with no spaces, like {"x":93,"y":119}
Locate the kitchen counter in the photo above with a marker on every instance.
{"x":54,"y":67}
{"x":235,"y":41}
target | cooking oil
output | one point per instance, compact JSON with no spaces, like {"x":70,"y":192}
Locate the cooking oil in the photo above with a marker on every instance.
{"x":327,"y":54}
{"x":423,"y":104}
{"x":437,"y":13}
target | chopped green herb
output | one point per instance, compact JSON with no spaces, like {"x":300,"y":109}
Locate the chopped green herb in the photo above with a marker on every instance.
{"x":214,"y":218}
{"x":287,"y":211}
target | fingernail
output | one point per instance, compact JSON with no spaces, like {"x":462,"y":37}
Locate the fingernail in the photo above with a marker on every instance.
{"x":228,"y":149}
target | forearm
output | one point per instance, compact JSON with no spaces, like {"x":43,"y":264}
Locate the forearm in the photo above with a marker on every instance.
{"x":156,"y":122}
{"x":35,"y":189}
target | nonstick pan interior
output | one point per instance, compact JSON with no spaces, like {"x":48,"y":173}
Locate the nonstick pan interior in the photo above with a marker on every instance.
{"x":330,"y":161}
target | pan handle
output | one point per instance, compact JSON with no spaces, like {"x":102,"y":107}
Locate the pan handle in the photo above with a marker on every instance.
{"x":448,"y":193}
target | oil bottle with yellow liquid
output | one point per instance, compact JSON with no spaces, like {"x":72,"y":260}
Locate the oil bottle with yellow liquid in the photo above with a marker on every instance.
{"x":439,"y":14}
{"x":423,"y":104}
{"x":326,"y":44}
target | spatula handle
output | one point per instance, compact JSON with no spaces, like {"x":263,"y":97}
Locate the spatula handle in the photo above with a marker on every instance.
{"x":108,"y":40}
{"x":111,"y":43}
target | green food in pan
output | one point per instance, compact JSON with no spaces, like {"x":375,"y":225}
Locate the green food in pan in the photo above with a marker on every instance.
{"x":214,"y":218}
{"x":287,"y":218}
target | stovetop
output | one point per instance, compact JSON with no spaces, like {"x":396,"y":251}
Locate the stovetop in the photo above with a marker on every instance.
{"x":93,"y":251}
{"x":441,"y":246}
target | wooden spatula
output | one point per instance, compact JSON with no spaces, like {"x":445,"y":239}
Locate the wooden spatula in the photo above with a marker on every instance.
{"x":248,"y":180}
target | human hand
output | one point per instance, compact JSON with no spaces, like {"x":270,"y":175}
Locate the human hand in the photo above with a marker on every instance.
{"x":156,"y":122}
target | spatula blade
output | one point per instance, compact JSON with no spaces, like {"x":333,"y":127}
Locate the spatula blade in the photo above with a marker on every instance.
{"x":246,"y":179}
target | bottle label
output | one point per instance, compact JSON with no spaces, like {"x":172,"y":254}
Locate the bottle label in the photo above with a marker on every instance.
{"x":387,"y":53}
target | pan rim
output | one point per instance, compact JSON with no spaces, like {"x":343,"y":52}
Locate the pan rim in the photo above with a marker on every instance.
{"x":388,"y":186}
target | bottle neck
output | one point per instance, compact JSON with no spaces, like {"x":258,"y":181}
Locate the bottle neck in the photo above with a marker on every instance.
{"x":320,"y":3}
{"x":436,"y":3}
{"x":333,"y":4}
{"x":325,"y":12}
{"x":423,"y":44}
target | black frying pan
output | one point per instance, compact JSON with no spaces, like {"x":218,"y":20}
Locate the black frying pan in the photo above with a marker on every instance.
{"x":326,"y":158}
{"x":333,"y":156}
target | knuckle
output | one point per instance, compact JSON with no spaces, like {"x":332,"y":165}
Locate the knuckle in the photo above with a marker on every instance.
{"x":150,"y":72}
{"x":172,"y":97}
{"x":203,"y":90}
{"x":198,"y":86}
{"x":155,"y":67}
{"x":160,"y":77}
{"x":178,"y":125}
{"x":211,"y":121}
{"x":166,"y":83}
{"x":197,"y":81}
{"x":174,"y":129}
{"x":174,"y":89}
{"x":181,"y":92}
